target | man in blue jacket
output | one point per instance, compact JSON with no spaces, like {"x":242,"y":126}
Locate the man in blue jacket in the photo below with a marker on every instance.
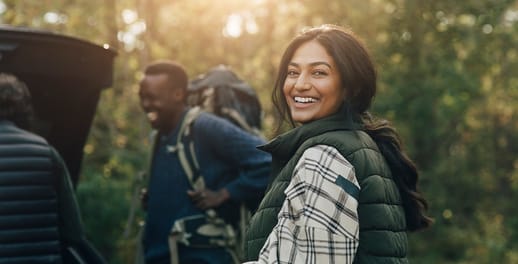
{"x":233,"y":170}
{"x":39,"y":217}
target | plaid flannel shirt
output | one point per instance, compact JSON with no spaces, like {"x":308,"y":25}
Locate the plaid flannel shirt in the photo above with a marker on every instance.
{"x":318,"y":222}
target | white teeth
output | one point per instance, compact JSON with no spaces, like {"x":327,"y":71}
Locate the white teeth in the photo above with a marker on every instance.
{"x":304,"y":99}
{"x":152,"y":116}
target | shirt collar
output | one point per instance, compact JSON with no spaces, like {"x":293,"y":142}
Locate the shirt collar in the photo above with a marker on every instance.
{"x":284,"y":146}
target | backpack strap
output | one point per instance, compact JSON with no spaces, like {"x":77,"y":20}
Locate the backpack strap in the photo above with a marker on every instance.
{"x":237,"y":117}
{"x":186,"y":152}
{"x":187,"y":156}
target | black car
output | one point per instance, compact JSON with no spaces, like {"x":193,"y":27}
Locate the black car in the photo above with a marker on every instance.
{"x":65,"y":76}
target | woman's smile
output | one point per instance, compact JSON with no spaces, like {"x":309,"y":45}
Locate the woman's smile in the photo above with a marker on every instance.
{"x":313,"y":86}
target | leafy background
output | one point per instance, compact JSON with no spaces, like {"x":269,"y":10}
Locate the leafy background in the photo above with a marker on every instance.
{"x":448,"y":82}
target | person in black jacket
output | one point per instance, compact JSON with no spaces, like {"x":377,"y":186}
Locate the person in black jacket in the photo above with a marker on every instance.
{"x":39,"y":217}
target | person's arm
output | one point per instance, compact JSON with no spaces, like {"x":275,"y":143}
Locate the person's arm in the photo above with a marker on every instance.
{"x":69,"y":216}
{"x":71,"y":228}
{"x":318,"y":222}
{"x":238,"y":148}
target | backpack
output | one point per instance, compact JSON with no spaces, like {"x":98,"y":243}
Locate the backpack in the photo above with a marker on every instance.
{"x":222,"y":93}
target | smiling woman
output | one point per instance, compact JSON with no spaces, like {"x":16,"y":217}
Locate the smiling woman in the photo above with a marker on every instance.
{"x":313,"y":87}
{"x":338,"y":170}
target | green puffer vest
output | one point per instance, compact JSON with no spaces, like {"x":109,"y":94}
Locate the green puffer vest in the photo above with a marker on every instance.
{"x":383,"y":236}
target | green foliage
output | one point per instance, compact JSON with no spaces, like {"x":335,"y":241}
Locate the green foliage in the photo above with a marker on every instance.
{"x":447,"y":92}
{"x":103,"y":224}
{"x":447,"y":81}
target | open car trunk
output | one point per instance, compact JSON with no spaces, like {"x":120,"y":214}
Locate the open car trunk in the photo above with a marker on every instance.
{"x":65,"y":76}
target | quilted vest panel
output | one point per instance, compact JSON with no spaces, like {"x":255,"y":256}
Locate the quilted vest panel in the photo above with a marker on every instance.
{"x":383,"y":236}
{"x":28,"y":201}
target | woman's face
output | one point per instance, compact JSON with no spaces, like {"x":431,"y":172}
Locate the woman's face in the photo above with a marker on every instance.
{"x":313,"y":86}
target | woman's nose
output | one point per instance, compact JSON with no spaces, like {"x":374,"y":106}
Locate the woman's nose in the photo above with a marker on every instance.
{"x":302,"y":83}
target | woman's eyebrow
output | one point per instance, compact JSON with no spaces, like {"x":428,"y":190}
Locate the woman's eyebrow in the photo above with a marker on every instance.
{"x":316,"y":63}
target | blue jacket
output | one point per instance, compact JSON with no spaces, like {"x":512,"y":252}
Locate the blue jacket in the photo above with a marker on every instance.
{"x":228,"y":159}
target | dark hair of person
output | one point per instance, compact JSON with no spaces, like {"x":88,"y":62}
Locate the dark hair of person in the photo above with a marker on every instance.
{"x":15,"y":101}
{"x":176,"y":73}
{"x":358,"y":76}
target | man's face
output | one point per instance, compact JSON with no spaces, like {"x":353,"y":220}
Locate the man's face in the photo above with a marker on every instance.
{"x":160,"y":101}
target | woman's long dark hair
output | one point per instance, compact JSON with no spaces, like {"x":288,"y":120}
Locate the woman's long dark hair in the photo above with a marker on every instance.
{"x":403,"y":170}
{"x":359,"y":81}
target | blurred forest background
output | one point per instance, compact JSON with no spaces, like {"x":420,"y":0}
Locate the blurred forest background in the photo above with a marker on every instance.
{"x":448,"y":81}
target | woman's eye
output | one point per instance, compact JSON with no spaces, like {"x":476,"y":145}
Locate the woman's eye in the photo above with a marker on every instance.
{"x":292,"y":73}
{"x":319,"y":73}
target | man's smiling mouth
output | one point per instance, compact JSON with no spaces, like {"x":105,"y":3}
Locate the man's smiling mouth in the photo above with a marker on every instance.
{"x":152,"y":116}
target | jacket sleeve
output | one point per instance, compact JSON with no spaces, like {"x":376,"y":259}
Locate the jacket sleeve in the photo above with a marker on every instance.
{"x":71,"y":229}
{"x":318,"y":221}
{"x":238,"y":149}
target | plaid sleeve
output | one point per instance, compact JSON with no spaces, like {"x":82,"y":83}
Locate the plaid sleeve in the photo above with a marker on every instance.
{"x":318,"y":222}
